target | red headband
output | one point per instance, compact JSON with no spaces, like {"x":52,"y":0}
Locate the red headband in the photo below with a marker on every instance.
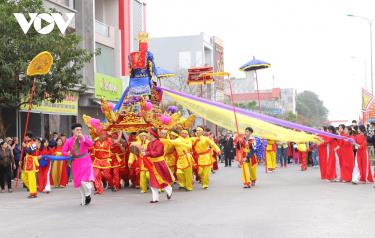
{"x":153,"y":133}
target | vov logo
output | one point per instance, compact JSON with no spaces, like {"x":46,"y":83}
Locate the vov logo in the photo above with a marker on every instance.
{"x":49,"y":18}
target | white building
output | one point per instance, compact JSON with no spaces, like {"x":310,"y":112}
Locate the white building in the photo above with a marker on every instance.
{"x":179,"y":53}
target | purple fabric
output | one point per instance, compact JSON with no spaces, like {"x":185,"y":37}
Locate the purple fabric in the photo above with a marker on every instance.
{"x":172,"y":109}
{"x":259,"y":116}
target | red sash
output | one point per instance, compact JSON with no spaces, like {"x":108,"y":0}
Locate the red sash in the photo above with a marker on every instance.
{"x":195,"y":153}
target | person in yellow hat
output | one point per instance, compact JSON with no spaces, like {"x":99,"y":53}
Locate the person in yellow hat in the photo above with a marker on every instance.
{"x":271,"y":155}
{"x":142,"y":171}
{"x":169,"y":151}
{"x":202,"y":146}
{"x":30,"y":165}
{"x":248,"y":159}
{"x":184,"y":159}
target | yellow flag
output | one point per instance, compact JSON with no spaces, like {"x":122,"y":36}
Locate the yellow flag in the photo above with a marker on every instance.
{"x":40,"y":64}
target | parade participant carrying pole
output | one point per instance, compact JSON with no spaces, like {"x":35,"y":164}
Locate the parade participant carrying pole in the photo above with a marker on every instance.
{"x":222,"y":74}
{"x":39,"y":65}
{"x":231,"y":97}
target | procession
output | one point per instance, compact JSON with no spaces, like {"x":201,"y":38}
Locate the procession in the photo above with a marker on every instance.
{"x":157,"y":160}
{"x":186,"y":119}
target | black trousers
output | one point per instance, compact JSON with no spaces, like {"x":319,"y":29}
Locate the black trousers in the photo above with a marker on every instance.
{"x":228,"y":159}
{"x":15,"y":170}
{"x":5,"y":176}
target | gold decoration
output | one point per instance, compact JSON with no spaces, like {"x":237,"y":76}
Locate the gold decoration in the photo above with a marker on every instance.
{"x":143,"y":37}
{"x":108,"y":112}
{"x":93,"y":133}
{"x":40,"y":64}
{"x":129,"y":122}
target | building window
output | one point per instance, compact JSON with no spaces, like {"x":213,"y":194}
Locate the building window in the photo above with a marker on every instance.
{"x":105,"y":62}
{"x":101,"y":28}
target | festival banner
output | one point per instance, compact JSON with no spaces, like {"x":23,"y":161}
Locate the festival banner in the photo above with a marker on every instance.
{"x":68,"y":106}
{"x":195,"y":75}
{"x":108,"y":87}
{"x":366,"y":100}
{"x":219,"y":63}
{"x":264,"y":126}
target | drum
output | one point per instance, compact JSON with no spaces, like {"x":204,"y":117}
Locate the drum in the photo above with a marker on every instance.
{"x":135,"y":148}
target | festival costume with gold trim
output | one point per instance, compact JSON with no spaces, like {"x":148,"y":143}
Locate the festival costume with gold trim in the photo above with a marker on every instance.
{"x":271,"y":155}
{"x":102,"y":156}
{"x":136,"y":162}
{"x":248,"y":161}
{"x":118,"y":160}
{"x":30,"y":168}
{"x":59,"y":171}
{"x":170,"y":155}
{"x":142,"y":69}
{"x":184,"y":163}
{"x":160,"y":175}
{"x":202,"y":146}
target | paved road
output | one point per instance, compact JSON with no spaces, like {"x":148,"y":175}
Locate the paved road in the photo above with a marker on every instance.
{"x":288,"y":203}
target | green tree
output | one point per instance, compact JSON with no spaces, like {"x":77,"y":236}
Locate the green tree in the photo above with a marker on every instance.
{"x":17,"y":50}
{"x":251,"y":106}
{"x":288,"y":116}
{"x":310,"y":109}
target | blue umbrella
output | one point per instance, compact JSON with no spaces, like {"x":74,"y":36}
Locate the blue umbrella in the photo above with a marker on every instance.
{"x":163,"y":73}
{"x":254,"y":65}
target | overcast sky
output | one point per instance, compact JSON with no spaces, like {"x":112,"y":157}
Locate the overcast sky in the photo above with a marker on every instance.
{"x":310,"y":43}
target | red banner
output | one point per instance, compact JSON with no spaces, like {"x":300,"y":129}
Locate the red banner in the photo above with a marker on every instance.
{"x":196,"y":75}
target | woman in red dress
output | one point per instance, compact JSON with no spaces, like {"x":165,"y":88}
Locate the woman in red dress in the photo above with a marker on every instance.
{"x":346,"y":154}
{"x":59,"y":168}
{"x":362,"y":160}
{"x":333,"y":172}
{"x":323,"y":155}
{"x":160,"y":175}
{"x":44,"y":184}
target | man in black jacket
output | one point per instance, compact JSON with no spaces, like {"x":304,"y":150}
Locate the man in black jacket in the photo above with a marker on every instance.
{"x":228,"y":147}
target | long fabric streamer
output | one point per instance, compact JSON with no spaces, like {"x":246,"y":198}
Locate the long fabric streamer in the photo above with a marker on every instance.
{"x":217,"y":113}
{"x":56,"y":157}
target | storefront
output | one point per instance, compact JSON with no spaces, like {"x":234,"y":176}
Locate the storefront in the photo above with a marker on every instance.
{"x":49,"y":117}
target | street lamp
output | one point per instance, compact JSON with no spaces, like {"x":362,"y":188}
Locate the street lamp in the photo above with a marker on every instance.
{"x":370,"y":25}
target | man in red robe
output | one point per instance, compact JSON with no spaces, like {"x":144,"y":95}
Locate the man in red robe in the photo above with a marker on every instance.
{"x":118,"y":156}
{"x":102,"y":162}
{"x":160,"y":175}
